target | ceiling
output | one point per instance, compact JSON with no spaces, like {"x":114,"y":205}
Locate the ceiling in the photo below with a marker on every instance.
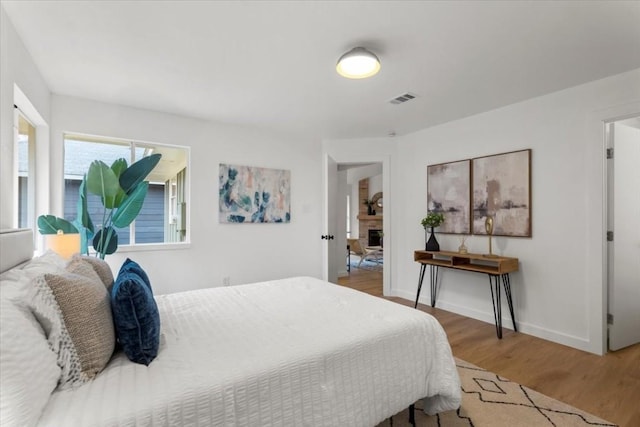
{"x":271,"y":64}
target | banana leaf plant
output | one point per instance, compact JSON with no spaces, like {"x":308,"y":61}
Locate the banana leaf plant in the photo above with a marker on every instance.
{"x":49,"y":224}
{"x":122,"y":190}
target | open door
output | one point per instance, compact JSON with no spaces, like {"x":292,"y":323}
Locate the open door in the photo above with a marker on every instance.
{"x":331,"y":215}
{"x":624,"y":235}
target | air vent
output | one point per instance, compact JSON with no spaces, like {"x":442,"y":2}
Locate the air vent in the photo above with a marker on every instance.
{"x":403,"y":98}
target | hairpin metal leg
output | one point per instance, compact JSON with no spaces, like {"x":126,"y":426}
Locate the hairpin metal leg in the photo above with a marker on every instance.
{"x":423,"y":268}
{"x":412,"y":415}
{"x":494,"y":284}
{"x":433,"y":271}
{"x":507,"y":291}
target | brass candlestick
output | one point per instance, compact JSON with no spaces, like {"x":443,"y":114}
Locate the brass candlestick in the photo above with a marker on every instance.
{"x":488,"y":226}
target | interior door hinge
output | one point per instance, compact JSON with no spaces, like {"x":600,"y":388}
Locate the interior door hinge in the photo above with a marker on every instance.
{"x":609,"y":319}
{"x":609,"y":153}
{"x":609,"y":236}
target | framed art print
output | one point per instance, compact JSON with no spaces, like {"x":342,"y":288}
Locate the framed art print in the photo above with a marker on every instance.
{"x":449,"y":193}
{"x":253,"y":195}
{"x":502,"y":190}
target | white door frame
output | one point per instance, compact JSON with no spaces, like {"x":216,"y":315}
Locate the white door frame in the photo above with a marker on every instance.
{"x":388,"y":207}
{"x":329,"y":257}
{"x":623,"y":331}
{"x":597,"y":219}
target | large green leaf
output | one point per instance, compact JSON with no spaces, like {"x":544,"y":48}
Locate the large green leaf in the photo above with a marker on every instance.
{"x":49,"y":224}
{"x":119,"y":166}
{"x":83,"y":221}
{"x":130,"y":208}
{"x":137,"y":172}
{"x":105,"y":242}
{"x":101,"y":180}
{"x":116,"y":201}
{"x":86,"y":236}
{"x":83,"y":212}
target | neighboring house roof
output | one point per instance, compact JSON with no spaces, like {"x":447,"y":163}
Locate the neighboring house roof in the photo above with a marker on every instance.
{"x":77,"y":158}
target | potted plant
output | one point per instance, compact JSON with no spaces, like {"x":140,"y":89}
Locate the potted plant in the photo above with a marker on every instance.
{"x":432,"y":220}
{"x":122,"y":190}
{"x":369,"y":204}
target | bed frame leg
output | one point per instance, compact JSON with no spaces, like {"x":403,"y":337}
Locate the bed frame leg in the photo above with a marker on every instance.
{"x":412,"y":415}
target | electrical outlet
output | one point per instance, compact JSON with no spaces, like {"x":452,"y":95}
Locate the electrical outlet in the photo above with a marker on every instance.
{"x":226,"y":281}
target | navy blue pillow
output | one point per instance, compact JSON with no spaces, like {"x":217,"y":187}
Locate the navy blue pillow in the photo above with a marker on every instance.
{"x":132,"y":266}
{"x":136,"y":317}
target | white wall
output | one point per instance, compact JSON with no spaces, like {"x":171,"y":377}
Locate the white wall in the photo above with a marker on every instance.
{"x":243,"y":252}
{"x":375,"y":185}
{"x":557,"y":284}
{"x":17,"y":69}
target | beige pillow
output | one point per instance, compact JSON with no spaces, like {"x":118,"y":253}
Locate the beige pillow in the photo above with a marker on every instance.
{"x":101,"y":267}
{"x":85,"y":307}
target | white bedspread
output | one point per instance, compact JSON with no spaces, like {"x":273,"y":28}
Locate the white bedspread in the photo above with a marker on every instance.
{"x":293,"y":352}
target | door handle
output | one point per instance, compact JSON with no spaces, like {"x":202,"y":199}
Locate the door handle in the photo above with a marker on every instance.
{"x":327,"y":237}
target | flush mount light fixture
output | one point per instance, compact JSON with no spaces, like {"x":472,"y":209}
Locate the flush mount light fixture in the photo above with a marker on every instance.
{"x":358,"y":63}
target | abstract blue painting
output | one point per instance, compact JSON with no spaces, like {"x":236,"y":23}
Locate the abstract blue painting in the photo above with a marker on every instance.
{"x":252,"y":194}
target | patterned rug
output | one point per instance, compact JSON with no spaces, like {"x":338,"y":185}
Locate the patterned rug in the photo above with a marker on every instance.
{"x":489,"y":400}
{"x":371,"y":265}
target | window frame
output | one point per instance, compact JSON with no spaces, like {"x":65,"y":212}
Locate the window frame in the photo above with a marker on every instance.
{"x":133,"y":143}
{"x":30,"y":215}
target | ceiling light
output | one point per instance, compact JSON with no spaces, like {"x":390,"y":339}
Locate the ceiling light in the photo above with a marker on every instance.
{"x":358,"y":63}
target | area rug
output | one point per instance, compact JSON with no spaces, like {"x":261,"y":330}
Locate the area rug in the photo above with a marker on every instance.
{"x":370,"y":265}
{"x":489,"y":400}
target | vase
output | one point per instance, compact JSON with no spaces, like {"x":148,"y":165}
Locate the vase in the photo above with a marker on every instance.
{"x":432,"y":244}
{"x":370,"y":210}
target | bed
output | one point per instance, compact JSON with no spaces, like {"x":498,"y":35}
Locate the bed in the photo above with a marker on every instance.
{"x":291,"y":352}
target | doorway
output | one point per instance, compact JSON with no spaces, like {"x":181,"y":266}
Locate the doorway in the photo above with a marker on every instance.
{"x":335,"y":255}
{"x":623,"y":232}
{"x":361,"y":189}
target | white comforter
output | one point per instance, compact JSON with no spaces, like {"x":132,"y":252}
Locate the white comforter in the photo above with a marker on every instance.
{"x":293,"y":352}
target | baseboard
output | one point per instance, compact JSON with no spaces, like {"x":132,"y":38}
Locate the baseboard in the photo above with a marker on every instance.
{"x":558,"y":337}
{"x":343,"y":273}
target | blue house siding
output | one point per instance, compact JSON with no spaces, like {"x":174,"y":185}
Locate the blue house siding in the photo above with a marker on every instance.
{"x":149,"y":223}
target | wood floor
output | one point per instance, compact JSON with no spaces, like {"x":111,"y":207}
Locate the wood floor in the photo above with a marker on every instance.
{"x":606,"y":386}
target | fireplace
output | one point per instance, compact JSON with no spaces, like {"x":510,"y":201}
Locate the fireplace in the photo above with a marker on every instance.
{"x":374,"y":237}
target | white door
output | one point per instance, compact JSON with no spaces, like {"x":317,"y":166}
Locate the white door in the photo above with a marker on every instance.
{"x":624,"y":250}
{"x":331,"y":215}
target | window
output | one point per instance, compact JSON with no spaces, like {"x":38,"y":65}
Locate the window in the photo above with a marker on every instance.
{"x":25,"y":143}
{"x":163,"y":215}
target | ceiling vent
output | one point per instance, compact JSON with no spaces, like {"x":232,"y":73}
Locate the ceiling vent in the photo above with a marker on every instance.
{"x":403,"y":98}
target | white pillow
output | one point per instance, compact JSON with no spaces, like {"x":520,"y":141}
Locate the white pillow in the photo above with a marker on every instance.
{"x":49,"y":262}
{"x":28,"y":369}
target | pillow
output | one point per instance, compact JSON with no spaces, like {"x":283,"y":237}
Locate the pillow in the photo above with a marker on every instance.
{"x":49,"y":262}
{"x":136,"y":317}
{"x":101,"y":268}
{"x":28,"y":369}
{"x":78,"y":320}
{"x":49,"y":258}
{"x":16,"y":282}
{"x":132,"y":266}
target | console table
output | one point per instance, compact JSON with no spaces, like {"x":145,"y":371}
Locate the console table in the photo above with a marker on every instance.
{"x":496,"y":267}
